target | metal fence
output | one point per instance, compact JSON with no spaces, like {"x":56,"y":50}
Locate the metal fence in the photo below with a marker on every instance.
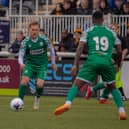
{"x":122,"y":21}
{"x":54,"y":25}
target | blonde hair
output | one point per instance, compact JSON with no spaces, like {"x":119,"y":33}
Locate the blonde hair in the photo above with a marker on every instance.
{"x":34,"y":23}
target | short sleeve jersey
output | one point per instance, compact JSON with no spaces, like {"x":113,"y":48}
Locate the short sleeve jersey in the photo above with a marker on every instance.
{"x":35,"y":52}
{"x":100,"y":40}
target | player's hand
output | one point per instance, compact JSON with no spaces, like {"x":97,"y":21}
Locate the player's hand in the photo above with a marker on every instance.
{"x":74,"y":70}
{"x":54,"y":67}
{"x":22,"y":66}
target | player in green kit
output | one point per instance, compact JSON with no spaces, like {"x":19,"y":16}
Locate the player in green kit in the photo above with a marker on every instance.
{"x":100,"y":43}
{"x":34,"y":50}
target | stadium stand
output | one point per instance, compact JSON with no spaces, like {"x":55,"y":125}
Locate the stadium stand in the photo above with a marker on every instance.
{"x":53,"y":24}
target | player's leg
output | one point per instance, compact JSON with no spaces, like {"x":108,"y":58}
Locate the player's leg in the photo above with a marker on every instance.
{"x":32,"y":85}
{"x":108,"y":76}
{"x":26,"y":75}
{"x":122,"y":93}
{"x":118,"y":100}
{"x":73,"y":91}
{"x":39,"y":91}
{"x":82,"y":77}
{"x":94,"y":88}
{"x":41,"y":73}
{"x":23,"y":87}
{"x":119,"y":84}
{"x":104,"y":97}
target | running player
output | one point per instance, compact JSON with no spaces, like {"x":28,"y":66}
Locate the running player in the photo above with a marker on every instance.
{"x":119,"y":84}
{"x":100,"y":41}
{"x":34,"y":50}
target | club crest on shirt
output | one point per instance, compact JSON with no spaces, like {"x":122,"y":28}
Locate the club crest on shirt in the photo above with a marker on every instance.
{"x":41,"y":43}
{"x":29,"y":45}
{"x":26,"y":71}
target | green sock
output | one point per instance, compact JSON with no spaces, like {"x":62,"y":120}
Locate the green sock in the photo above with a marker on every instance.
{"x":22,"y":91}
{"x":39,"y":91}
{"x":117,"y":97}
{"x":98,"y":86}
{"x":105,"y":93}
{"x":73,"y":91}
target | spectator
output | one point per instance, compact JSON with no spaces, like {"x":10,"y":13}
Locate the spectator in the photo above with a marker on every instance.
{"x":67,"y":42}
{"x":4,"y":3}
{"x":126,"y":8}
{"x":118,"y":9}
{"x":58,"y":9}
{"x":84,"y":8}
{"x":42,"y":32}
{"x":95,"y":5}
{"x":115,"y":27}
{"x":104,"y":6}
{"x":2,"y":12}
{"x":78,"y":3}
{"x":68,"y":8}
{"x":112,"y":3}
{"x":77,"y":36}
{"x":17,"y":43}
{"x":75,"y":3}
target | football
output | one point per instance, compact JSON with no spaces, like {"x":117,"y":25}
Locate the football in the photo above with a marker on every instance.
{"x":16,"y":104}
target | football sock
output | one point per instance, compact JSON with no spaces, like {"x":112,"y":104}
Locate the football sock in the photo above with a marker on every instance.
{"x":121,"y":91}
{"x":105,"y":93}
{"x":73,"y":91}
{"x":39,"y":91}
{"x":22,"y":91}
{"x":117,"y":97}
{"x":98,"y":86}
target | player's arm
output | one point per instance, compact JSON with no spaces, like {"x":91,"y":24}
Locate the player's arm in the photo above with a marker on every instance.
{"x":21,"y":56}
{"x":118,"y":51}
{"x":52,"y":53}
{"x":119,"y":55}
{"x":79,"y":51}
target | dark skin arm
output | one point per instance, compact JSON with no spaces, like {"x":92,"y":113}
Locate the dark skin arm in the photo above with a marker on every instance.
{"x":119,"y":55}
{"x":77,"y":58}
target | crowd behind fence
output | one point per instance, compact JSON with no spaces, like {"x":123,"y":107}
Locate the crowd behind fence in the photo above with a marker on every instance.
{"x":54,"y":25}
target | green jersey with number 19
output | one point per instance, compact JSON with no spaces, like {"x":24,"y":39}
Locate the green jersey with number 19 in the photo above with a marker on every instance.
{"x":100,"y":40}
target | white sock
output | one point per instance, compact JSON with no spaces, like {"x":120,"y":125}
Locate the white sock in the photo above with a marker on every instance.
{"x":68,"y":102}
{"x":101,"y":98}
{"x":121,"y":109}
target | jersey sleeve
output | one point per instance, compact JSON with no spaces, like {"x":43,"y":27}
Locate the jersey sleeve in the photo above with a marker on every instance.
{"x":22,"y":52}
{"x":24,"y":45}
{"x":84,"y":37}
{"x":47,"y":40}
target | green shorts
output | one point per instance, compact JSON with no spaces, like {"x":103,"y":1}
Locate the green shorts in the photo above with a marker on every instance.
{"x":97,"y":65}
{"x":36,"y":72}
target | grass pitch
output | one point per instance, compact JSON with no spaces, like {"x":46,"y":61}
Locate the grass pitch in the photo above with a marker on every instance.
{"x":83,"y":115}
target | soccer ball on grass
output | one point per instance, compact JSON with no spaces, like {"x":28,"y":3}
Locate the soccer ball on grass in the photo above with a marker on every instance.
{"x":16,"y":104}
